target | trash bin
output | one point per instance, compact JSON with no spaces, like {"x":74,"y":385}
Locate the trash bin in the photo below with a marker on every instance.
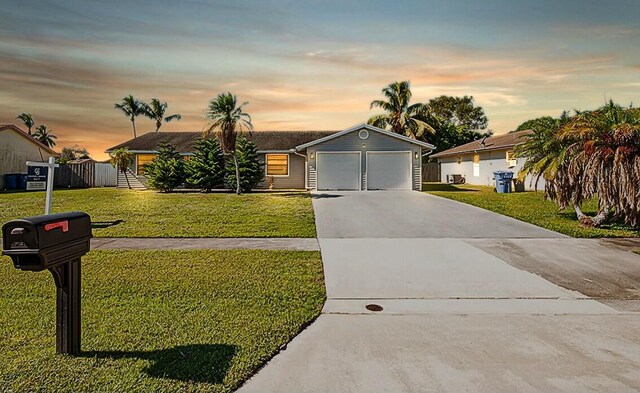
{"x":22,"y":181}
{"x":503,"y":181}
{"x":11,"y":181}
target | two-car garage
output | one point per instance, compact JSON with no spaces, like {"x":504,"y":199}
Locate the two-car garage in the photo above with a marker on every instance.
{"x":384,"y":170}
{"x":364,"y":158}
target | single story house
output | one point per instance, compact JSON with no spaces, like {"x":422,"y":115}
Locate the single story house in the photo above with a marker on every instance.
{"x":16,"y":148}
{"x":476,"y":161}
{"x":362,"y":157}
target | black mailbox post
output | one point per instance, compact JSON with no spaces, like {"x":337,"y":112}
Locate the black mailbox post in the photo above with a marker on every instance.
{"x":55,"y":242}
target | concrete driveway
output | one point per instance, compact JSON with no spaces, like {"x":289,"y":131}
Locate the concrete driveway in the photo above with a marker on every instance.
{"x":411,"y":214}
{"x":455,"y":315}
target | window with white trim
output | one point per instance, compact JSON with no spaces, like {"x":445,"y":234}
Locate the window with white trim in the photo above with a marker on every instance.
{"x":277,"y":164}
{"x":511,"y":159}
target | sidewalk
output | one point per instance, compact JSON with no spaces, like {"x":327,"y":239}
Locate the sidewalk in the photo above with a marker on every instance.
{"x":292,"y":244}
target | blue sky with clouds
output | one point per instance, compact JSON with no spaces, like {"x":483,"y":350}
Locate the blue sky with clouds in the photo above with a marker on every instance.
{"x":308,"y":65}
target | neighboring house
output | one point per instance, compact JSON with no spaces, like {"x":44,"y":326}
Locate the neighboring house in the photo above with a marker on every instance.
{"x":358,"y":158}
{"x":16,"y":148}
{"x":476,"y":161}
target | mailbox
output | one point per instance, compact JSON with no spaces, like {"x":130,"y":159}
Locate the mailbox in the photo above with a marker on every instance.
{"x":42,"y":242}
{"x":55,"y":242}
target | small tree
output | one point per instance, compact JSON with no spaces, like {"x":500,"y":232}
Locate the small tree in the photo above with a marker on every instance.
{"x":205,"y":170}
{"x":250,"y":168}
{"x":73,"y":153}
{"x":120,"y":159}
{"x":166,"y":171}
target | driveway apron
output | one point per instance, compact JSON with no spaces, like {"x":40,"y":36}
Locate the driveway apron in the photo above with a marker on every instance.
{"x":452,"y":316}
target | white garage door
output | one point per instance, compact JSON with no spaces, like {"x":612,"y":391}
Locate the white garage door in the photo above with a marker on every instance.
{"x":338,"y":171}
{"x":389,"y":170}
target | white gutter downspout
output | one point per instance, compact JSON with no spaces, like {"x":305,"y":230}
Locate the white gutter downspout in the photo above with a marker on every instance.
{"x":306,"y":167}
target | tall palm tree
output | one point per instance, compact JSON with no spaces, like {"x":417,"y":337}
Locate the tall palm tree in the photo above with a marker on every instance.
{"x":156,"y":110}
{"x":400,"y":117}
{"x":45,"y":136}
{"x":228,"y":118}
{"x":27,"y":119}
{"x":131,"y":108}
{"x":120,"y":159}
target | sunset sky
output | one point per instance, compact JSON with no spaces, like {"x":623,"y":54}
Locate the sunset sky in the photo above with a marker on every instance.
{"x":308,"y":65}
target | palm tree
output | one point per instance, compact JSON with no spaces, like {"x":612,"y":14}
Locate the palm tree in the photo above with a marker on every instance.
{"x":542,"y":151}
{"x":131,"y":108}
{"x":400,"y":117}
{"x":45,"y":136}
{"x":604,"y":161}
{"x":120,"y":159}
{"x":27,"y":119}
{"x":156,"y":112}
{"x":226,"y":116}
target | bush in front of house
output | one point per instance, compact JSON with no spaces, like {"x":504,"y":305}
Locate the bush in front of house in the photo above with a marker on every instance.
{"x":167,"y":170}
{"x":205,"y":170}
{"x":251,"y":169}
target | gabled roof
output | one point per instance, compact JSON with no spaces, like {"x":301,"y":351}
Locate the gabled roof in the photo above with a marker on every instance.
{"x":31,"y":139}
{"x":184,"y":141}
{"x":367,"y":127}
{"x":497,"y":142}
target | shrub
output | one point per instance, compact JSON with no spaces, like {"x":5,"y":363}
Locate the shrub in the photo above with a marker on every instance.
{"x":250,"y":168}
{"x":167,"y":171}
{"x":205,"y":170}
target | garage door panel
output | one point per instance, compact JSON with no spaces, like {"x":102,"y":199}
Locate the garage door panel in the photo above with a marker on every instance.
{"x":338,"y":171}
{"x":389,"y":170}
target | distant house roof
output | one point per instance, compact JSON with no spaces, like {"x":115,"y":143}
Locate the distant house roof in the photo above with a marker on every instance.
{"x":184,"y":141}
{"x":15,"y":128}
{"x":497,"y":142}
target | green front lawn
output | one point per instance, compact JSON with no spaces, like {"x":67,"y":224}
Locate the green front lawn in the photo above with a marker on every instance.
{"x":529,"y":207}
{"x":128,"y":213}
{"x":159,"y":321}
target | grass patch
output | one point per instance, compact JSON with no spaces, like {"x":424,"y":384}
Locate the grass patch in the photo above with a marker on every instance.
{"x":159,"y":320}
{"x":128,"y":213}
{"x":529,"y":207}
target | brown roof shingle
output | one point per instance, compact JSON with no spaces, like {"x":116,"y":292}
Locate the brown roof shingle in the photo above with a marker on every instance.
{"x":491,"y":143}
{"x":183,"y":141}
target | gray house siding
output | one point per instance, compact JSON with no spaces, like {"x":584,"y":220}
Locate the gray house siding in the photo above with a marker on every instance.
{"x":295,"y":180}
{"x":375,"y":142}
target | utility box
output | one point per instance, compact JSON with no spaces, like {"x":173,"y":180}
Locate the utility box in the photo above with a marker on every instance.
{"x":55,"y":242}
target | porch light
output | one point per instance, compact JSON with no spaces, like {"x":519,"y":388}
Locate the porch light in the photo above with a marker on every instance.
{"x":416,"y":155}
{"x":311,"y":155}
{"x":364,"y":145}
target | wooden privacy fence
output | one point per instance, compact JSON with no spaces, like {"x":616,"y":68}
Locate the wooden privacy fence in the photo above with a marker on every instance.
{"x":431,"y":172}
{"x":84,"y":175}
{"x":105,"y":175}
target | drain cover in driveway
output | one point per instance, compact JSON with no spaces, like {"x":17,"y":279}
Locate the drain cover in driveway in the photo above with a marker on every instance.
{"x":374,"y":307}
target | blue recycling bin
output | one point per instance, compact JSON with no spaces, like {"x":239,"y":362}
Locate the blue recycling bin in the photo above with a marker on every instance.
{"x":11,"y":181}
{"x":22,"y":181}
{"x":503,"y":181}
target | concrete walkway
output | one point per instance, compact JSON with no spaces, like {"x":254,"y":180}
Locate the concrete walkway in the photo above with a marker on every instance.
{"x":294,"y":244}
{"x":455,"y":315}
